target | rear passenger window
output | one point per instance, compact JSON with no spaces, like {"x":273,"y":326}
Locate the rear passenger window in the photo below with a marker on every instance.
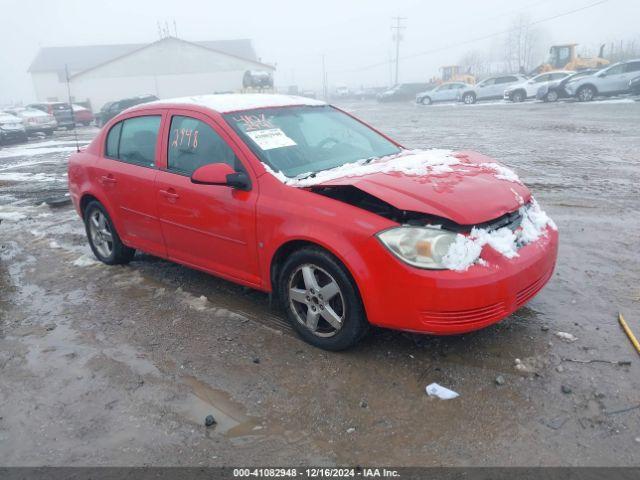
{"x":138,"y":140}
{"x":193,"y":143}
{"x":113,"y":139}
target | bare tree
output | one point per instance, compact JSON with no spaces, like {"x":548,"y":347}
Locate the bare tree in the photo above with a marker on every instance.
{"x":522,"y":45}
{"x":476,"y":63}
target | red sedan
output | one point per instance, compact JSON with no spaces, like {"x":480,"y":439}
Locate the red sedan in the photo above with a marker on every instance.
{"x":297,"y":198}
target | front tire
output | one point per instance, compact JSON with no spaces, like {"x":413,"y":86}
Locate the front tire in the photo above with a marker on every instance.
{"x":321,"y":300}
{"x":103,"y":237}
{"x":586,"y":93}
{"x":518,"y":96}
{"x":426,"y":101}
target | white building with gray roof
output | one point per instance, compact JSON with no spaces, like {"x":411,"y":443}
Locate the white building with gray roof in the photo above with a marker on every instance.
{"x":170,"y":67}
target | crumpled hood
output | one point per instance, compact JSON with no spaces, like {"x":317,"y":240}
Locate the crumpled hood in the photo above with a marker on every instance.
{"x":474,"y":191}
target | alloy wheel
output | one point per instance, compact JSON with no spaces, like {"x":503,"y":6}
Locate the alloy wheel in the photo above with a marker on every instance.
{"x":316,"y":300}
{"x":101,"y":236}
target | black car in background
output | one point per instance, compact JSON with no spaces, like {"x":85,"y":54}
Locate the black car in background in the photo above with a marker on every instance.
{"x":111,"y":109}
{"x":553,"y":91}
{"x":402,"y":91}
{"x":60,"y":110}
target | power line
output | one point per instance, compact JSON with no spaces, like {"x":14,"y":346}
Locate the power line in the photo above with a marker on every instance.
{"x":477,"y":39}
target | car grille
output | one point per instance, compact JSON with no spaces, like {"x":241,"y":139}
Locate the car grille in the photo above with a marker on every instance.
{"x":461,"y":318}
{"x":527,"y":293}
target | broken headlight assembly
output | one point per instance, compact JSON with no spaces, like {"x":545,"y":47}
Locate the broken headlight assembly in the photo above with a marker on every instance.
{"x":422,"y":247}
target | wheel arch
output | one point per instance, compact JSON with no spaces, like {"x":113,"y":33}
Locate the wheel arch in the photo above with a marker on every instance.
{"x":292,"y":245}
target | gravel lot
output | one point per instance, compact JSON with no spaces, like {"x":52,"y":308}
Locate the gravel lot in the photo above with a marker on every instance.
{"x":120,"y":365}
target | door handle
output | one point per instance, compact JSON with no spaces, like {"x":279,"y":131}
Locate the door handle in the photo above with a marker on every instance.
{"x":107,"y":179}
{"x":170,"y":194}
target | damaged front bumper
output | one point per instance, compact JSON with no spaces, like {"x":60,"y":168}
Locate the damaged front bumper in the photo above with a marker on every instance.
{"x":446,"y":302}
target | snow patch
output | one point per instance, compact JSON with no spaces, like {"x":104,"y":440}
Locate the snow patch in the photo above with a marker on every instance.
{"x":409,"y":162}
{"x":85,"y":261}
{"x":502,"y":172}
{"x":234,"y":102}
{"x":466,"y":250}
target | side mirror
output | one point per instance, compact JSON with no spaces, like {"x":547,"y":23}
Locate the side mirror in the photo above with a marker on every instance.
{"x":220,"y":174}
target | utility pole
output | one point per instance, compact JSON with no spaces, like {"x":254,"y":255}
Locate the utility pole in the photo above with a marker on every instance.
{"x":324,"y":79}
{"x":397,"y":36}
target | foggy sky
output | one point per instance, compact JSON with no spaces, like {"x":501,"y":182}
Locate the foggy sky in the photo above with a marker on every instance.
{"x":295,"y":34}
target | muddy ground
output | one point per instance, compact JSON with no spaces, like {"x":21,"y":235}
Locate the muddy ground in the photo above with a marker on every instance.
{"x":120,"y":365}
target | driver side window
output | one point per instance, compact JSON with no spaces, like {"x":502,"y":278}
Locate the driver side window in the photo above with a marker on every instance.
{"x":193,"y":143}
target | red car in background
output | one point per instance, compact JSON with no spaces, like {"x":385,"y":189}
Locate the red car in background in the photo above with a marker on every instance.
{"x":291,"y":196}
{"x":82,"y":115}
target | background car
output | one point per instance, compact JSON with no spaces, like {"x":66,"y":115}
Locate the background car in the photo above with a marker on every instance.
{"x":552,"y":91}
{"x":11,"y":129}
{"x":634,"y":86}
{"x":35,"y":121}
{"x":111,"y":109}
{"x":60,"y":110}
{"x":447,"y":92}
{"x":491,"y":88}
{"x":402,"y":91}
{"x":82,"y":115}
{"x":612,"y":80}
{"x":521,"y":91}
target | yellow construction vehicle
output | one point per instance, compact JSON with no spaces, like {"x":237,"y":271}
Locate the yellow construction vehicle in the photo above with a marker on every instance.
{"x":454,"y":73}
{"x":564,"y":57}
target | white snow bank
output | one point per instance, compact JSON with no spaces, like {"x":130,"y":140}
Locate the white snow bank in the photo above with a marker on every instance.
{"x":32,"y":151}
{"x":12,"y":216}
{"x":31,"y":177}
{"x":410,"y":162}
{"x":466,"y":250}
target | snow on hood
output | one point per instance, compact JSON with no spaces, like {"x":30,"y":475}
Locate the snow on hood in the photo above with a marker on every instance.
{"x":465,"y":187}
{"x":466,"y":250}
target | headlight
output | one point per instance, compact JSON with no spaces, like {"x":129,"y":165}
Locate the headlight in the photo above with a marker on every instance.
{"x":422,"y":247}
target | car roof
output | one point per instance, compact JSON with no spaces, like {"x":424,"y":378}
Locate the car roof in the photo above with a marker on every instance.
{"x":234,"y":102}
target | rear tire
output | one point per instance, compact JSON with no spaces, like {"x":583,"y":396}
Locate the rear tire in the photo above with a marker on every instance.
{"x":551,"y":96}
{"x":103,"y":237}
{"x":469,"y":98}
{"x":321,"y":300}
{"x":586,"y":93}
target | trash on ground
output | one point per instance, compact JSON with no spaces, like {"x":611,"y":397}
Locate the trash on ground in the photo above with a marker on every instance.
{"x":500,"y":380}
{"x":629,"y":333}
{"x":620,"y":363}
{"x":566,"y":389}
{"x":567,"y":337}
{"x":209,"y":420}
{"x":443,"y":393}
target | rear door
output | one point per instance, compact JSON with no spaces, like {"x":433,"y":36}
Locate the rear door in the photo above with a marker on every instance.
{"x":614,"y":79}
{"x":127,"y":173}
{"x":211,"y":227}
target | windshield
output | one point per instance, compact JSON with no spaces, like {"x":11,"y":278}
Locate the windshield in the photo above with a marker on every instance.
{"x":301,"y":140}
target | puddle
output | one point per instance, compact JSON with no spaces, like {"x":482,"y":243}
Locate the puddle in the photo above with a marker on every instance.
{"x":230,"y":416}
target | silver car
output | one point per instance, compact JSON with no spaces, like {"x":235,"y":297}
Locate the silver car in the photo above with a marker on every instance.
{"x":490,"y":88}
{"x":35,"y":121}
{"x":612,"y":80}
{"x":447,"y":92}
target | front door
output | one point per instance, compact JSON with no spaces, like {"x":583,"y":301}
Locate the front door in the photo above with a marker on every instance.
{"x":211,"y":227}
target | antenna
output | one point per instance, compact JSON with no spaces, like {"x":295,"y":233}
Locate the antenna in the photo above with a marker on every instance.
{"x":73,"y":115}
